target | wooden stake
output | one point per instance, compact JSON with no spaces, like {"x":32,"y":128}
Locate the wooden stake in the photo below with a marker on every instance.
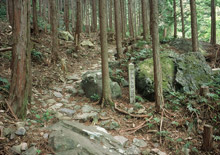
{"x":207,"y":138}
{"x":204,"y":90}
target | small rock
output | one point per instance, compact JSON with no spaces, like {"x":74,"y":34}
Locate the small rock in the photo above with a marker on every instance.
{"x":31,"y":151}
{"x":131,"y":110}
{"x":69,"y":112}
{"x":2,"y":111}
{"x":155,"y":150}
{"x":12,"y":136}
{"x":56,"y":106}
{"x":133,"y":150}
{"x":58,"y":94}
{"x":24,"y":146}
{"x":8,"y":131}
{"x":77,"y":107}
{"x":73,"y":77}
{"x":121,"y":139}
{"x":146,"y":152}
{"x":51,"y":101}
{"x":58,"y":89}
{"x":139,"y":142}
{"x":64,"y":101}
{"x":46,"y":135}
{"x":87,"y":109}
{"x":20,"y":131}
{"x":86,"y":116}
{"x":124,"y":83}
{"x":156,"y":144}
{"x":16,"y":149}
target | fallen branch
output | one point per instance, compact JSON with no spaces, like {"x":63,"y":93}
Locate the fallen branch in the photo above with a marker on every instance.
{"x":132,"y":115}
{"x":5,"y":49}
{"x":9,"y":107}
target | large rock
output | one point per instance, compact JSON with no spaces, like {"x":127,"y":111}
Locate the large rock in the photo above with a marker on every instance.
{"x":145,"y":75}
{"x":185,"y":72}
{"x":185,"y":45}
{"x":92,"y":84}
{"x":69,"y":137}
{"x":65,"y":35}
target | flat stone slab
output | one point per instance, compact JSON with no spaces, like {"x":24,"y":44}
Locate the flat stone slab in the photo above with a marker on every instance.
{"x":69,"y":112}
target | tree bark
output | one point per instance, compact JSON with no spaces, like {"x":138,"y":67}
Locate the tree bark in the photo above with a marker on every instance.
{"x":94,"y":15}
{"x":66,"y":15}
{"x":73,"y":15}
{"x":156,"y":57}
{"x":144,"y":20}
{"x":174,"y":18}
{"x":213,"y":22}
{"x":122,"y":5}
{"x":106,"y":90}
{"x":78,"y":23}
{"x":194,"y":31}
{"x":21,"y":66}
{"x":35,"y":25}
{"x":54,"y":31}
{"x":118,"y":28}
{"x":11,"y":12}
{"x":207,"y":138}
{"x":110,"y":14}
{"x":182,"y":18}
{"x":130,"y":18}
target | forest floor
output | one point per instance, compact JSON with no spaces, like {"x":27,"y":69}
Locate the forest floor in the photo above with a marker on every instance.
{"x":51,"y":79}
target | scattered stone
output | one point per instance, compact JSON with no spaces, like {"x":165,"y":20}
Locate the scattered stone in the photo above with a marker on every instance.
{"x":73,"y":77}
{"x":133,"y":150}
{"x":46,"y":135}
{"x":31,"y":151}
{"x":56,"y":106}
{"x":155,"y":150}
{"x":2,"y":111}
{"x":20,"y":131}
{"x":64,"y":101}
{"x":58,"y":89}
{"x":87,"y":43}
{"x":156,"y":144}
{"x":77,"y":107}
{"x":12,"y":136}
{"x":121,"y":139}
{"x":69,"y":112}
{"x":139,"y":142}
{"x":88,"y":108}
{"x":124,"y":83}
{"x":24,"y":146}
{"x":58,"y":94}
{"x":130,"y":110}
{"x":65,"y":35}
{"x":86,"y":116}
{"x":146,"y":152}
{"x":16,"y":149}
{"x":51,"y":101}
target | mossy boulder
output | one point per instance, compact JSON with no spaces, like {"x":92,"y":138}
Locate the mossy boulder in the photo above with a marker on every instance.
{"x":181,"y":72}
{"x":65,"y":35}
{"x":145,"y":75}
{"x":192,"y":71}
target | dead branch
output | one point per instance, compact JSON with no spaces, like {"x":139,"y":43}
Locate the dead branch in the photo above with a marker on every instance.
{"x":5,"y":49}
{"x":9,"y":107}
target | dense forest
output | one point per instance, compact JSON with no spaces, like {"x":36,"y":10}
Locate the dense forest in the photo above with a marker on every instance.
{"x":109,"y":77}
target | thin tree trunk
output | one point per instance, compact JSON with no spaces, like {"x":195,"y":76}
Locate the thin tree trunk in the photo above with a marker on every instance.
{"x":182,"y":19}
{"x":11,"y":12}
{"x":78,"y":24}
{"x":110,"y":14}
{"x":35,"y":25}
{"x":130,"y":18}
{"x":94,"y":15}
{"x":122,"y":4}
{"x":156,"y":57}
{"x":174,"y":18}
{"x":213,"y":23}
{"x":195,"y":46}
{"x":21,"y":74}
{"x":118,"y":28}
{"x":106,"y":90}
{"x":66,"y":15}
{"x":73,"y":15}
{"x":144,"y":20}
{"x":54,"y":31}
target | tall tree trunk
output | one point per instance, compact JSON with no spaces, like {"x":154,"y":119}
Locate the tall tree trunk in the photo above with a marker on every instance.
{"x":11,"y":12}
{"x":130,"y":18}
{"x":156,"y":57}
{"x":151,"y":27}
{"x":40,"y":8}
{"x":182,"y":19}
{"x":66,"y":15}
{"x":195,"y":46}
{"x":174,"y":18}
{"x":213,"y":24}
{"x":73,"y":15}
{"x":122,"y":4}
{"x":145,"y":19}
{"x":21,"y":74}
{"x":54,"y":31}
{"x":35,"y":25}
{"x":106,"y":90}
{"x":78,"y":24}
{"x":94,"y":15}
{"x":110,"y":14}
{"x":118,"y":28}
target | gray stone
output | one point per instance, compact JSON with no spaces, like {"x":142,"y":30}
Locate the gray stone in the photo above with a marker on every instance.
{"x":133,"y":150}
{"x":110,"y":124}
{"x":69,"y":112}
{"x":31,"y":151}
{"x":46,"y":135}
{"x":87,"y":43}
{"x":146,"y":152}
{"x":16,"y":149}
{"x":69,"y":137}
{"x":64,"y":101}
{"x":56,"y":106}
{"x":155,"y":150}
{"x":24,"y":146}
{"x":58,"y":94}
{"x":77,"y":107}
{"x":88,"y":108}
{"x":92,"y":85}
{"x":139,"y":142}
{"x":8,"y":131}
{"x":124,"y":83}
{"x":51,"y":101}
{"x":58,"y":89}
{"x":65,"y":35}
{"x":121,"y":139}
{"x":86,"y":116}
{"x":73,"y":77}
{"x":20,"y":131}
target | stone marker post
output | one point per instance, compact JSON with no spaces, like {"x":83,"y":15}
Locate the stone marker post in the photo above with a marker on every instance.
{"x":131,"y":73}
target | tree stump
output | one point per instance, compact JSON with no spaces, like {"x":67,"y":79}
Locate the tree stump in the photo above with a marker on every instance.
{"x":207,"y":138}
{"x":204,"y":90}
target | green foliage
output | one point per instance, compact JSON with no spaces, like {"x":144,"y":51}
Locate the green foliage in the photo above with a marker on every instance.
{"x":2,"y":11}
{"x":4,"y":84}
{"x":36,"y":55}
{"x":139,"y":99}
{"x":138,"y":106}
{"x":43,"y":118}
{"x":95,"y":98}
{"x":216,"y":138}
